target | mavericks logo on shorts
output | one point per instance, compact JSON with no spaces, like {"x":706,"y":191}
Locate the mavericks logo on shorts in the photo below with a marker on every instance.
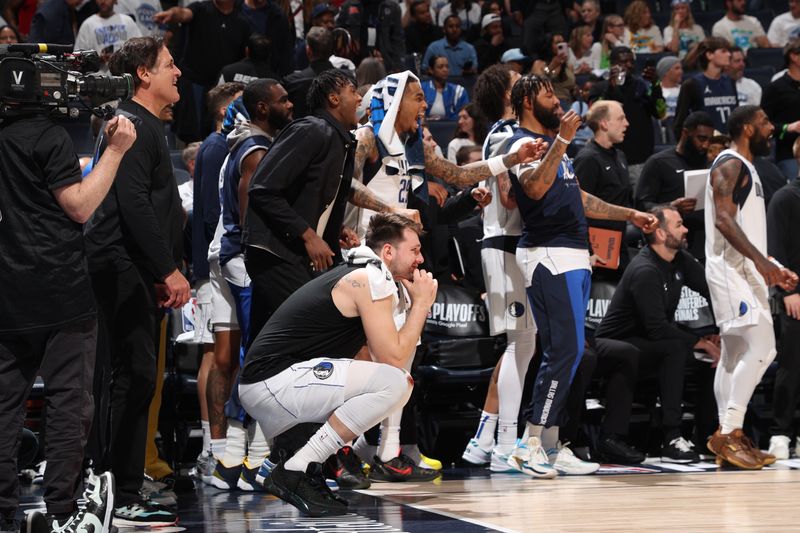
{"x":516,"y":309}
{"x":742,"y":308}
{"x":323,"y":370}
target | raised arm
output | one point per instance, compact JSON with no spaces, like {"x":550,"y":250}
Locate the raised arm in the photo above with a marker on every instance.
{"x":537,"y":181}
{"x":474,"y":172}
{"x":725,"y":179}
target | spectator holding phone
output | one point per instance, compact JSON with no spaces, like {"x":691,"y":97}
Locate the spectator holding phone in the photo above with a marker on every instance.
{"x":554,"y":63}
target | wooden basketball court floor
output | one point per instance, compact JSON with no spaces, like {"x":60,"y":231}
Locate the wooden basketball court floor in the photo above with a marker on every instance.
{"x":651,"y":497}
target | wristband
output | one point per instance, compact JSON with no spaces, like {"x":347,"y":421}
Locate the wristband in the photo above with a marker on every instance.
{"x":496,"y":165}
{"x":562,"y":139}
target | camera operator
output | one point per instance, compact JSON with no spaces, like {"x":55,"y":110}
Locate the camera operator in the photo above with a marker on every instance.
{"x":134,"y":243}
{"x":49,"y":322}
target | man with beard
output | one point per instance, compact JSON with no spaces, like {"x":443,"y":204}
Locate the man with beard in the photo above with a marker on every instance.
{"x":647,"y":339}
{"x":554,"y":259}
{"x":303,"y":368}
{"x":739,"y":275}
{"x":269,"y":108}
{"x":662,"y":178}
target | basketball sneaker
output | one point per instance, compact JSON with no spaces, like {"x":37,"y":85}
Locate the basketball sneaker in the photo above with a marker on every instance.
{"x":306,"y":491}
{"x":349,"y":473}
{"x":779,"y":446}
{"x":226,"y":477}
{"x":499,"y":461}
{"x":400,"y":468}
{"x":565,"y":462}
{"x":429,"y":462}
{"x":262,"y":476}
{"x":532,"y":460}
{"x":247,"y":479}
{"x":476,"y":455}
{"x":732,"y":449}
{"x":765,"y":457}
{"x":144,"y":513}
{"x":679,"y":451}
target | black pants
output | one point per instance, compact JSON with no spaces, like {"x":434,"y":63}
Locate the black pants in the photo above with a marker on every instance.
{"x":664,"y":358}
{"x":64,"y":358}
{"x":272,"y":280}
{"x":130,"y":320}
{"x":787,"y":380}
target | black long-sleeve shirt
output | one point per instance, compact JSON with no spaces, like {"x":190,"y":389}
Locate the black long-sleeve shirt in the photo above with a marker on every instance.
{"x":781,"y":103}
{"x":140,"y":220}
{"x":783,"y":220}
{"x":647,"y":296}
{"x":308,"y":167}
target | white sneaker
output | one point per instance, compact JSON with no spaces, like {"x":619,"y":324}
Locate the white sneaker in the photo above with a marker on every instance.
{"x":566,"y":463}
{"x":532,"y":460}
{"x":779,"y":446}
{"x":499,"y":463}
{"x":474,"y":454}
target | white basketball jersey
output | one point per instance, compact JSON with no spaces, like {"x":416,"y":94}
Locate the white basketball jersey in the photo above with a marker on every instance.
{"x":392,"y":189}
{"x":738,"y":291}
{"x":497,"y":220}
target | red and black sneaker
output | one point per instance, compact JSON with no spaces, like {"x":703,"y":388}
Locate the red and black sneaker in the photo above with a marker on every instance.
{"x":401,"y":468}
{"x":349,"y":473}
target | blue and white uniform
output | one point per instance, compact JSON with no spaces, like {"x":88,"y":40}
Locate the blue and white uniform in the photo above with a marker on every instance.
{"x":554,"y":259}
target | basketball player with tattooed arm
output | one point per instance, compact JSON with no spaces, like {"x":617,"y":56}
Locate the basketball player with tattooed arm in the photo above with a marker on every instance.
{"x":739,"y":275}
{"x":554,"y":259}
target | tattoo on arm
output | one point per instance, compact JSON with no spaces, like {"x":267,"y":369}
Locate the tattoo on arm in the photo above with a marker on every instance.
{"x":461,"y":176}
{"x":364,"y":151}
{"x":538,"y":181}
{"x":594,"y":207}
{"x":723,"y":181}
{"x":360,"y":196}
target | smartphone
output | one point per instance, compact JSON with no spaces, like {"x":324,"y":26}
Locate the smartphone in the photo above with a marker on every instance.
{"x":563,"y":48}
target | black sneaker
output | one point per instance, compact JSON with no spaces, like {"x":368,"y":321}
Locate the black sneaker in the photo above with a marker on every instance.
{"x":226,"y":477}
{"x":306,"y":491}
{"x":35,"y":522}
{"x":144,"y":514}
{"x":348,"y":470}
{"x":615,"y":450}
{"x":401,"y":468}
{"x":679,"y":451}
{"x":247,"y":479}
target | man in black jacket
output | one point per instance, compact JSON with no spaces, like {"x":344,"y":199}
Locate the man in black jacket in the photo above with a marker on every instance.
{"x":421,"y":31}
{"x":781,"y":102}
{"x":640,"y":322}
{"x":319,"y":47}
{"x":134,"y":244}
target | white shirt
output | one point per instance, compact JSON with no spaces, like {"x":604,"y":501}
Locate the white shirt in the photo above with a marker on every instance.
{"x":783,"y":28}
{"x":739,"y":32}
{"x":687,"y":37}
{"x":437,"y":109}
{"x":455,"y":145}
{"x":186,"y":193}
{"x":142,"y":12}
{"x":671,"y":98}
{"x":97,"y":33}
{"x":749,"y":92}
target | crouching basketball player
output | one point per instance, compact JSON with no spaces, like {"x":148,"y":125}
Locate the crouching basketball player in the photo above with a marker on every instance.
{"x":300,"y":368}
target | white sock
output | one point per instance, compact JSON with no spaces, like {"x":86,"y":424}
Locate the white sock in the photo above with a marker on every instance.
{"x":389,"y":447}
{"x":550,"y":438}
{"x":257,"y":447}
{"x":733,"y":418}
{"x":206,"y":436}
{"x":364,"y":449}
{"x":322,"y":445}
{"x":217,"y":447}
{"x":486,"y":429}
{"x":506,"y":435}
{"x":235,"y":443}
